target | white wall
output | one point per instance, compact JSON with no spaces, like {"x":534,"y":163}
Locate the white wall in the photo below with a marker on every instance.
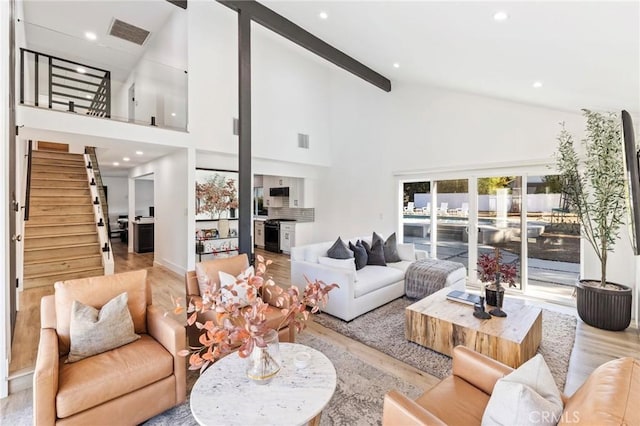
{"x":118,"y":195}
{"x":171,"y":198}
{"x":159,"y":77}
{"x":144,"y":196}
{"x":5,"y":334}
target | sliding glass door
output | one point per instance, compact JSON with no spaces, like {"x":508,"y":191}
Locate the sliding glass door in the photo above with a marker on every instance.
{"x":524,"y":217}
{"x":452,"y":220}
{"x":499,"y":219}
{"x":553,"y":240}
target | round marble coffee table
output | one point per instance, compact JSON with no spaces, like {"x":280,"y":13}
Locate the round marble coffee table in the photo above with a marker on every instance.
{"x":225,"y":395}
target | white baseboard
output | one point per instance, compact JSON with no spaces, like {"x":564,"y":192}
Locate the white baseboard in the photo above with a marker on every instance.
{"x":180,"y":270}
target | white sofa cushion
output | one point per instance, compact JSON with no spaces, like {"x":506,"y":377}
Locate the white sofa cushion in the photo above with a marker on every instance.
{"x":401,"y":266}
{"x":407,"y":252}
{"x":373,"y":277}
{"x":313,"y":251}
{"x":348,"y":264}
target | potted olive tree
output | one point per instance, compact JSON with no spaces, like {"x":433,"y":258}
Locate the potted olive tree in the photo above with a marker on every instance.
{"x":595,"y":189}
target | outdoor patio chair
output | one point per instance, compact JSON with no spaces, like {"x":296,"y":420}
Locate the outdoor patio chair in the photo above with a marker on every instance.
{"x":444,"y":208}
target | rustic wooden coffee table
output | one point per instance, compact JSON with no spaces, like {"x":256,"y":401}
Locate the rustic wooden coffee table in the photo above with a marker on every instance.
{"x":441,"y":324}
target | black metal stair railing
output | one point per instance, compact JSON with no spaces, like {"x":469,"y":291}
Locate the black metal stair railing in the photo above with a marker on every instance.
{"x":69,"y":83}
{"x":93,"y":158}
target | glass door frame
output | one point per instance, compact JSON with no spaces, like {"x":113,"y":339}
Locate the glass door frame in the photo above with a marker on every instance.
{"x":523,"y":171}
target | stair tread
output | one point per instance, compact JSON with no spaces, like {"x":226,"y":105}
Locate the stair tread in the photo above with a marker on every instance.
{"x":59,"y":179}
{"x":68,"y":234}
{"x":58,"y":259}
{"x":67,"y":272}
{"x":54,"y":188}
{"x":41,"y":225}
{"x":64,"y":246}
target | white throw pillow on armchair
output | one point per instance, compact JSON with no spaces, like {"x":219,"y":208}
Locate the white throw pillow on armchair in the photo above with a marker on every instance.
{"x":527,"y":396}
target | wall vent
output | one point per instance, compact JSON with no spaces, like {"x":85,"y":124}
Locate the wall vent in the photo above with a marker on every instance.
{"x":303,"y":141}
{"x":128,"y":32}
{"x":236,"y":126}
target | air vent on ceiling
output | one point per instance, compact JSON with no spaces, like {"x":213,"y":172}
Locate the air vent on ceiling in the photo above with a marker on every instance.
{"x":303,"y":141}
{"x":128,"y":32}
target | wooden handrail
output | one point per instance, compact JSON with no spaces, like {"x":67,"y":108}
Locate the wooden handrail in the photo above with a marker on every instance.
{"x":28,"y":191}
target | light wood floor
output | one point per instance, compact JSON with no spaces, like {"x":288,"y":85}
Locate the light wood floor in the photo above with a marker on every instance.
{"x":592,"y":346}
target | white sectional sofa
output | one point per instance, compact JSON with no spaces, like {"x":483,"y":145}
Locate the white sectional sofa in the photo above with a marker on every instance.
{"x":360,"y":291}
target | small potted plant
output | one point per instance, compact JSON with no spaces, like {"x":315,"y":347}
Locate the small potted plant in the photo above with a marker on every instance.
{"x":596,"y":192}
{"x":491,"y":270}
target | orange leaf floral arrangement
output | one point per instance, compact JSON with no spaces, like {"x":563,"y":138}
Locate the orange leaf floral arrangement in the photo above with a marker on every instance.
{"x":244,"y":327}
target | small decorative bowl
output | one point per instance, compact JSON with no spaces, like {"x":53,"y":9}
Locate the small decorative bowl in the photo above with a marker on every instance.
{"x":301,"y":359}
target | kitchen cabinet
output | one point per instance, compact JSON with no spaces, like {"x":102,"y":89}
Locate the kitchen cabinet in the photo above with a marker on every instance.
{"x":258,"y":233}
{"x":301,"y":193}
{"x":287,"y":237}
{"x":269,"y":182}
{"x":143,"y":237}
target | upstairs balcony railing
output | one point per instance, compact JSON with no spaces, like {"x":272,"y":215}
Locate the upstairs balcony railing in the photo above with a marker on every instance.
{"x":69,"y":85}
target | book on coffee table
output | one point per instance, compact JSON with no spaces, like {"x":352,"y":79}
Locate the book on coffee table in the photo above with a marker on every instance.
{"x":461,"y":296}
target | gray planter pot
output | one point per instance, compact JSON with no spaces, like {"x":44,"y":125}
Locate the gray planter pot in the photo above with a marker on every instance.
{"x":604,"y":308}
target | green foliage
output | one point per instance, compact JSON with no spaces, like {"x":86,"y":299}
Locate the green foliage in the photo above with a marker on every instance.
{"x":411,"y":188}
{"x":453,"y":186}
{"x":552,"y":185}
{"x":595,"y":186}
{"x":488,"y":186}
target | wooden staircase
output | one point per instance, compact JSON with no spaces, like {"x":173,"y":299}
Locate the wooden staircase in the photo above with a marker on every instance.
{"x":61,"y":241}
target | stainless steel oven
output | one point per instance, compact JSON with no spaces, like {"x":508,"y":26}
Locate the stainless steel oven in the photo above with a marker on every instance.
{"x":272,"y":234}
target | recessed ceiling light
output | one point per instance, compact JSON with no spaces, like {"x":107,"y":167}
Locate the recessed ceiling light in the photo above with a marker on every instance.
{"x":90,"y":36}
{"x":115,"y":163}
{"x":126,"y":158}
{"x":396,"y":65}
{"x":500,"y":16}
{"x":537,"y":84}
{"x":139,"y":152}
{"x":323,"y":15}
{"x":173,"y":114}
{"x":81,"y":70}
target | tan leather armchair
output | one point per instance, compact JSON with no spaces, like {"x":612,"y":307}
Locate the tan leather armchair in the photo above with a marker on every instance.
{"x":606,"y":397}
{"x":232,"y":265}
{"x":125,"y":385}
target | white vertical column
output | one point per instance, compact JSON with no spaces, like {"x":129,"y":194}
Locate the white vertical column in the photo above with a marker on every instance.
{"x":524,"y":236}
{"x":472,"y":248}
{"x":434,"y":219}
{"x":190,"y":210}
{"x":132,"y":211}
{"x":5,"y":334}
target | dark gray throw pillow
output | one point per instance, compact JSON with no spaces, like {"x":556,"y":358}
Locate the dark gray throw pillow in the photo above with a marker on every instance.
{"x":360,"y":253}
{"x":375,"y":254}
{"x":339,"y":250}
{"x":390,"y":248}
{"x":376,"y":237}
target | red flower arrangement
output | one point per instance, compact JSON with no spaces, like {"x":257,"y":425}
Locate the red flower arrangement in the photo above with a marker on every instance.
{"x":245,"y":327}
{"x":489,"y":265}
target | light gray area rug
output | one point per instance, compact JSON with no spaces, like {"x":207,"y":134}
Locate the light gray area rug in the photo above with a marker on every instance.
{"x":383,"y":329}
{"x":357,"y":400}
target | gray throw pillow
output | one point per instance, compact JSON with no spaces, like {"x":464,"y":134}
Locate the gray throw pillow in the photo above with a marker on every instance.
{"x":390,"y":248}
{"x":94,"y":331}
{"x":375,"y":254}
{"x":360,"y":254}
{"x":375,"y":237}
{"x":339,"y":250}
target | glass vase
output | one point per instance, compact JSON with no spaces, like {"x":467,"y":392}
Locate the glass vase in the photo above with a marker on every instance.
{"x":264,"y":363}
